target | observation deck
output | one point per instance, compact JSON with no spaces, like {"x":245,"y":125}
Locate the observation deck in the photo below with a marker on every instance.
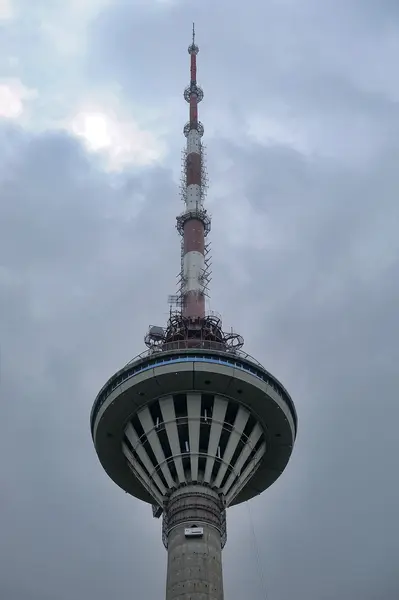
{"x":178,"y":415}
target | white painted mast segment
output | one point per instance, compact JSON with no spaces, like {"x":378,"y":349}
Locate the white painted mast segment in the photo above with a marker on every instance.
{"x":193,"y":197}
{"x":193,"y":142}
{"x":194,"y":266}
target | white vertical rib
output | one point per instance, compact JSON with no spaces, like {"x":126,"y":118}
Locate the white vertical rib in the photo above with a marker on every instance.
{"x":245,"y":475}
{"x":145,"y":459}
{"x":142,"y":475}
{"x":193,"y":142}
{"x":152,"y":437}
{"x":246,"y":451}
{"x":194,"y":423}
{"x":239,"y":424}
{"x":193,"y":197}
{"x":169,"y":416}
{"x":219,"y":412}
{"x":193,"y":269}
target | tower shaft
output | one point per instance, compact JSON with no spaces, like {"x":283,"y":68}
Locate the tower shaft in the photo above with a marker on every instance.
{"x":193,"y":527}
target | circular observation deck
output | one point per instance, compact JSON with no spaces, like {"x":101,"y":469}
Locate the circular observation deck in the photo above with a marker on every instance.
{"x":181,"y":416}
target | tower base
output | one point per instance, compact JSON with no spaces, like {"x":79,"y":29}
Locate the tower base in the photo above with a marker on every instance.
{"x":194,"y":522}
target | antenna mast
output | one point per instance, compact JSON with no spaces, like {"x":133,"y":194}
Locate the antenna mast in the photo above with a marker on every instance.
{"x":194,"y":223}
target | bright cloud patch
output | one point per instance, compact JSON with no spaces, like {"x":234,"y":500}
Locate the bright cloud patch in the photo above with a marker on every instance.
{"x":6,"y":9}
{"x":277,"y":131}
{"x":66,"y":25}
{"x":122,"y":142}
{"x":13,"y":95}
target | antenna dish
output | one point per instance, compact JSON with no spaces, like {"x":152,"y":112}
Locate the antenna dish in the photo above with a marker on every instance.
{"x":155,"y":337}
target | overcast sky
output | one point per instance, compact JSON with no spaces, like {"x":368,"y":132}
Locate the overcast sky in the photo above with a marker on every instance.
{"x":301,"y":121}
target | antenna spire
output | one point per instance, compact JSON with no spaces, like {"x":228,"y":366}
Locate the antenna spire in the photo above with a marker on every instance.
{"x":194,"y":223}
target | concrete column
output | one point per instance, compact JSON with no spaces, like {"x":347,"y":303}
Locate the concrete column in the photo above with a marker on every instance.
{"x":194,"y":563}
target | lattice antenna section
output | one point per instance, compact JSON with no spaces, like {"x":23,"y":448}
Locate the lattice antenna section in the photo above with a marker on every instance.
{"x":183,"y":176}
{"x":181,"y":277}
{"x":204,"y":173}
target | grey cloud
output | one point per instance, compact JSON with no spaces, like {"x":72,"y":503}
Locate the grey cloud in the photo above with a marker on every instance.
{"x":72,"y":256}
{"x":87,"y":265}
{"x":324,"y":508}
{"x":322,"y":305}
{"x":320,"y":70}
{"x":259,"y":53}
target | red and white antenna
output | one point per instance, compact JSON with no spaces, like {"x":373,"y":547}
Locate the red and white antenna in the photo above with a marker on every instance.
{"x":189,"y":326}
{"x":194,"y":223}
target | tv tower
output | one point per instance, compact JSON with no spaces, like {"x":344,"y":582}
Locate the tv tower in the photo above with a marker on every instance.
{"x":193,"y":425}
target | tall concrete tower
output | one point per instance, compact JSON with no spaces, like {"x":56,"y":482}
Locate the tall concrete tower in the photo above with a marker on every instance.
{"x":193,"y":425}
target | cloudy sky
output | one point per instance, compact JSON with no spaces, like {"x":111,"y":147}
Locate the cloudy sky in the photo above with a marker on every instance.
{"x":301,"y":118}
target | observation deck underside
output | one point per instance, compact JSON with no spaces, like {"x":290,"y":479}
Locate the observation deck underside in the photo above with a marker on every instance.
{"x":197,"y":415}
